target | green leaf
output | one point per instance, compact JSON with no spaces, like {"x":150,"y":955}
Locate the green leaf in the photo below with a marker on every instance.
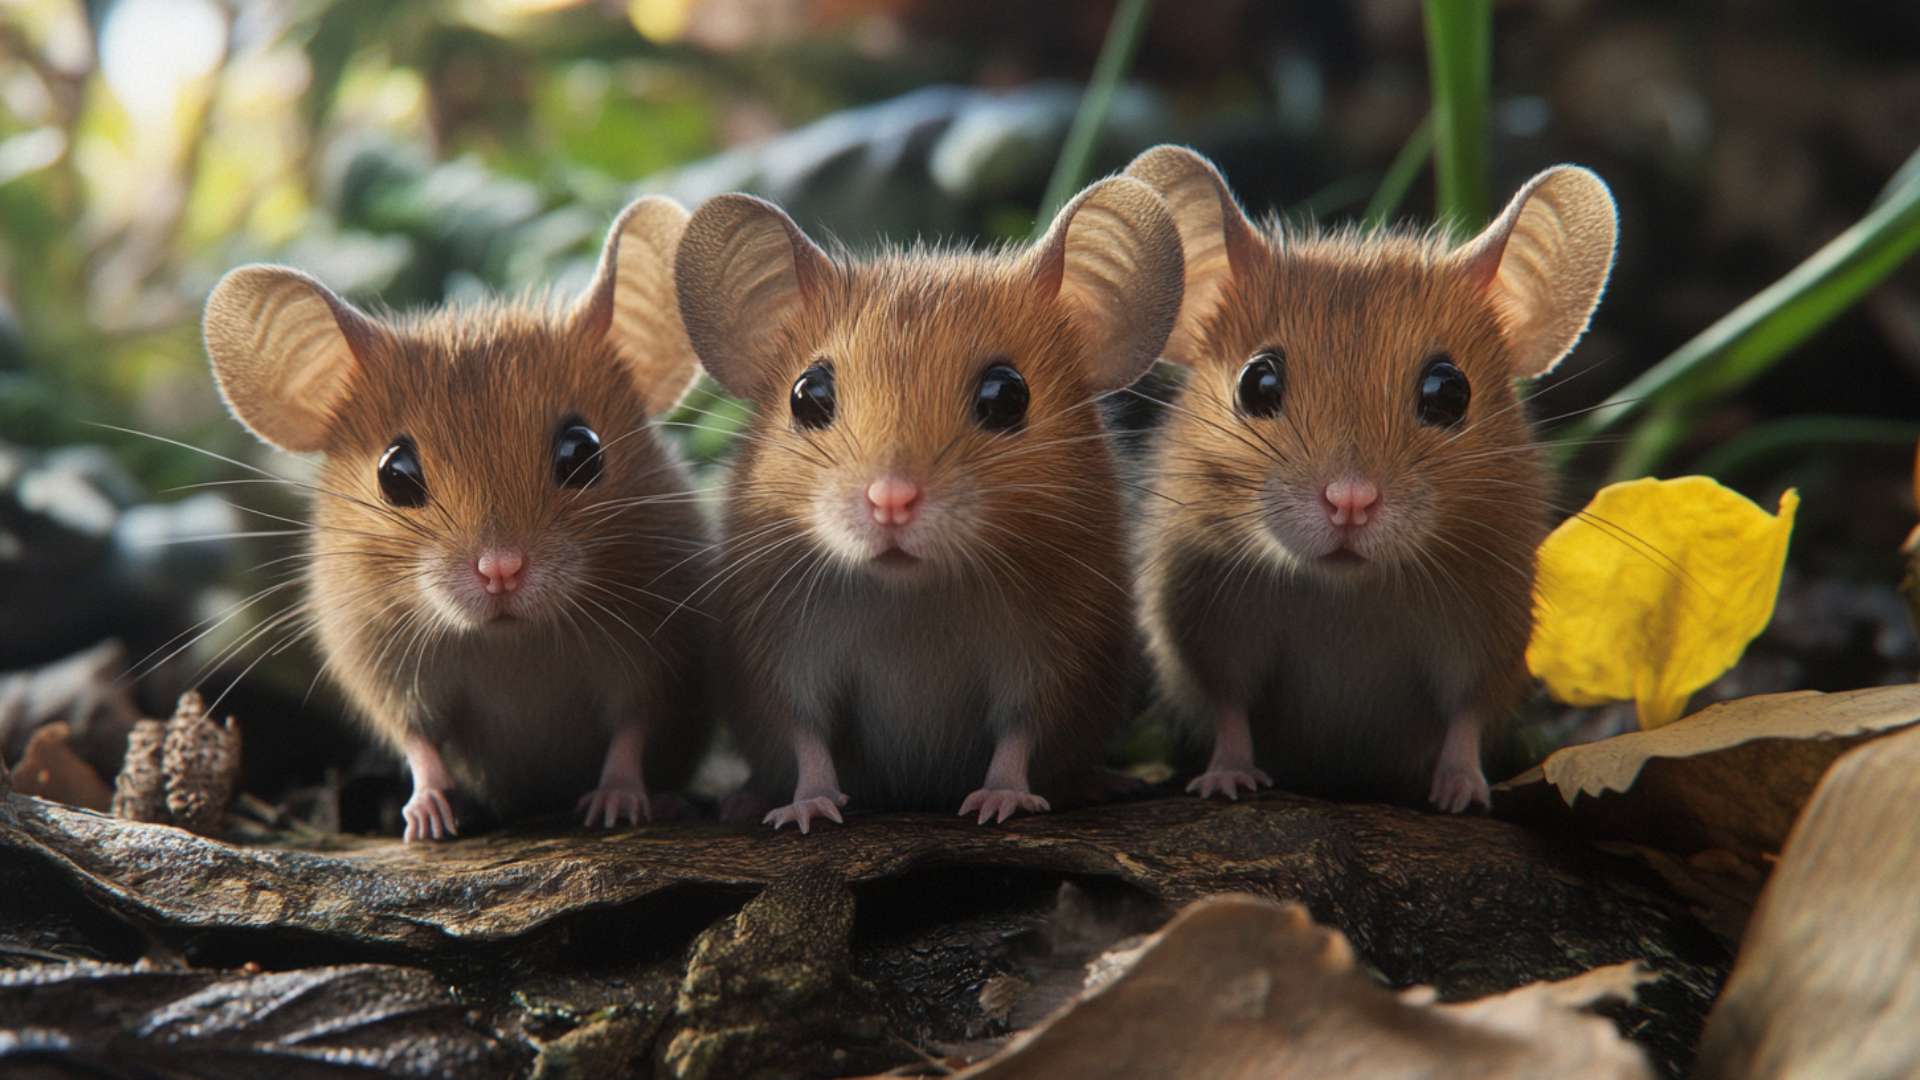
{"x":1751,"y":338}
{"x":1401,"y":173}
{"x":1076,"y":157}
{"x":1460,"y":65}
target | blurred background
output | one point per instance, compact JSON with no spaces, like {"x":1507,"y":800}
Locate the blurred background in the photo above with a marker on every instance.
{"x":410,"y":153}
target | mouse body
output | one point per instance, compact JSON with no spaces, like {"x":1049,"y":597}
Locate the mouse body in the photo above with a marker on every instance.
{"x":1337,"y":589}
{"x":923,"y":576}
{"x":497,"y":532}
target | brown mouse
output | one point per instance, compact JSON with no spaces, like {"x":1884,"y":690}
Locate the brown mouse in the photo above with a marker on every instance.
{"x":1339,"y":585}
{"x":497,"y":531}
{"x":924,"y":570}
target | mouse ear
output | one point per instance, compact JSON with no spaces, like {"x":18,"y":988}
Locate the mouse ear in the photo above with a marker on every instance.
{"x":1544,"y":262}
{"x":1113,"y":255}
{"x":1218,"y":240}
{"x":284,"y":351}
{"x":744,"y":271}
{"x":631,"y":302}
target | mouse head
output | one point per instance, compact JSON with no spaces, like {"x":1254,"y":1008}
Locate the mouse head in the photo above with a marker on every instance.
{"x":1352,"y":395}
{"x":920,"y":410}
{"x":485,"y":466}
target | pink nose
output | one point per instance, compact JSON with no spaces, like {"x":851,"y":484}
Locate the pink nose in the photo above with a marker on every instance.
{"x":1350,"y":502}
{"x":499,"y":570}
{"x":893,"y":501}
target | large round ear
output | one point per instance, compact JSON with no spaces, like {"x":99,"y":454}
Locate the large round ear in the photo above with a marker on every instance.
{"x":743,"y":272}
{"x":631,"y":302}
{"x":284,"y":352}
{"x":1113,"y":256}
{"x":1544,"y":262}
{"x":1218,"y":240}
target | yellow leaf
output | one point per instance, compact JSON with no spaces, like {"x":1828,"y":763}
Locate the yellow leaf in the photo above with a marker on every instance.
{"x":1653,"y":591}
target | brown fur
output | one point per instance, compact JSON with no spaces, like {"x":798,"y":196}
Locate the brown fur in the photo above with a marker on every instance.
{"x":516,"y":692}
{"x":909,"y":335}
{"x":1349,"y":676}
{"x":482,"y":391}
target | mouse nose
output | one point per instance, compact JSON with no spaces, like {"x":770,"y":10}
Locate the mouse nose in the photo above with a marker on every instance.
{"x":892,"y":500}
{"x":499,"y":570}
{"x":1350,"y":502}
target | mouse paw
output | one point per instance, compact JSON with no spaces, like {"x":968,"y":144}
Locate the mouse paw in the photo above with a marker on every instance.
{"x":1228,"y":782}
{"x":428,"y":816}
{"x":612,"y":802}
{"x":1001,"y":804}
{"x":1457,"y":787}
{"x":802,"y":811}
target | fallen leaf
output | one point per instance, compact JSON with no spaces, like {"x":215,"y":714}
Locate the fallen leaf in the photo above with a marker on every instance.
{"x":51,"y":770}
{"x":1653,"y":591}
{"x":1733,"y":775}
{"x":114,"y":1020}
{"x":1238,"y":986}
{"x":1828,"y":979}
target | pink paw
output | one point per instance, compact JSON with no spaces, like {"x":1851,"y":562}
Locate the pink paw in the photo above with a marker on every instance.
{"x":801,"y":812}
{"x":1001,"y":804}
{"x":428,"y":815}
{"x":1458,"y":787}
{"x":612,"y":802}
{"x":1228,"y":782}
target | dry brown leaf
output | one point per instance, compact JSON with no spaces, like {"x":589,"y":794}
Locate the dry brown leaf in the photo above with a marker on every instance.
{"x":1238,"y":986}
{"x":1733,"y":775}
{"x":1828,"y":980}
{"x":51,"y":770}
{"x":140,"y":791}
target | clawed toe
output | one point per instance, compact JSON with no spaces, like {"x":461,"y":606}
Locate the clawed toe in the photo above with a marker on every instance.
{"x":611,"y":805}
{"x":1457,"y":790}
{"x":428,"y":815}
{"x":802,"y":812}
{"x":1228,"y":782}
{"x":999,"y":804}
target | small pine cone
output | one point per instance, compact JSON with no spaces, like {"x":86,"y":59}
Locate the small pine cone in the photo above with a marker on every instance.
{"x":202,"y":763}
{"x":140,"y":791}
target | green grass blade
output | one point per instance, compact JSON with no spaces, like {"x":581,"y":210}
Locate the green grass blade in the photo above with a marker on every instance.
{"x":1460,"y":65}
{"x":1751,"y":338}
{"x":1401,"y":174}
{"x":1796,"y":434}
{"x":1076,"y":157}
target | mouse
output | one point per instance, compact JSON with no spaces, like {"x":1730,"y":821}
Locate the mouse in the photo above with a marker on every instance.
{"x":1338,"y":589}
{"x":497,"y":530}
{"x":923,"y":579}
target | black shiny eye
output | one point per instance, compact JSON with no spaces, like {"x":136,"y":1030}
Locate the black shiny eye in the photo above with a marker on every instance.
{"x":1263,"y":383}
{"x":576,"y":455}
{"x":1443,"y":393}
{"x":812,"y":397}
{"x":402,"y":483}
{"x":1000,"y":404}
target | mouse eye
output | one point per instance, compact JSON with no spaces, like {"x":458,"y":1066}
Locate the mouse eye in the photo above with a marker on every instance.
{"x":812,"y":397}
{"x":1263,"y":383}
{"x":1443,"y":393}
{"x":576,"y":455}
{"x":1000,"y":404}
{"x":402,"y":483}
